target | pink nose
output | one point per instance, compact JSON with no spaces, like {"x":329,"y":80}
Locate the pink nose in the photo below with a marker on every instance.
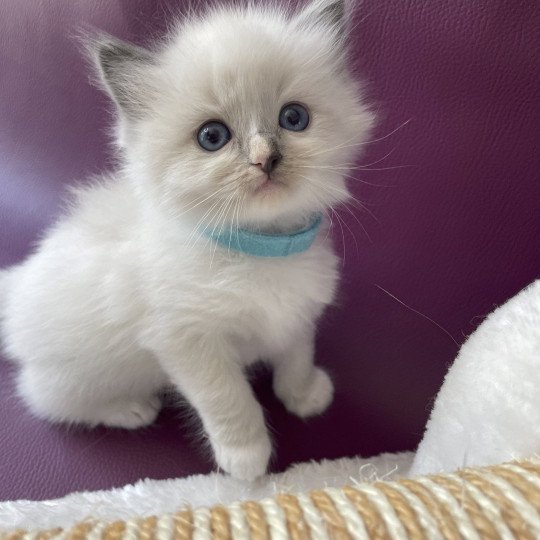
{"x":269,"y":163}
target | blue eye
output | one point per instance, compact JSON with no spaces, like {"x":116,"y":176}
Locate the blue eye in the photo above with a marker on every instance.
{"x":294,"y":117}
{"x":213,"y":135}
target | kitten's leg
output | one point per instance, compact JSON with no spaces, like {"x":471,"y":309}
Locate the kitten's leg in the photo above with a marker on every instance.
{"x":126,"y":413}
{"x":211,"y":378}
{"x":74,"y":399}
{"x":304,"y":389}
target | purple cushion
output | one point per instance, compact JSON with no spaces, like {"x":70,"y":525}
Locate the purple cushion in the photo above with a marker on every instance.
{"x":454,"y":230}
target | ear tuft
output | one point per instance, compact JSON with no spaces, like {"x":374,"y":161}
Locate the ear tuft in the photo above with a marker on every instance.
{"x":333,"y":14}
{"x":124,"y":71}
{"x":330,"y":15}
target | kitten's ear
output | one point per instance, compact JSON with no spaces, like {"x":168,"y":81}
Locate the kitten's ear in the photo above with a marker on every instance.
{"x":330,"y":15}
{"x":125,"y":71}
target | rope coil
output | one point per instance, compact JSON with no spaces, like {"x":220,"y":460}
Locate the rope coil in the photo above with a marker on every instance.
{"x":500,"y":502}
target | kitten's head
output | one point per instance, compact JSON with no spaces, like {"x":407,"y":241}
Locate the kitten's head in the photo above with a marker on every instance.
{"x":242,"y":115}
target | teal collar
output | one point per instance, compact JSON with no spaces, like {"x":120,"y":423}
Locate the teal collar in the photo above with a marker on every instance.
{"x":267,"y":245}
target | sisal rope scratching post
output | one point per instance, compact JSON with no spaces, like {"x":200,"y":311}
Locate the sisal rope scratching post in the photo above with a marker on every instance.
{"x":478,"y":503}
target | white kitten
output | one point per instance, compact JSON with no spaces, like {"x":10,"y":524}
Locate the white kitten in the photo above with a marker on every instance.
{"x":488,"y":409}
{"x":127,"y":293}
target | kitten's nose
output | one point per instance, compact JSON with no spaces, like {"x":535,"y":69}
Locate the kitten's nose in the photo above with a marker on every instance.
{"x":269,"y":163}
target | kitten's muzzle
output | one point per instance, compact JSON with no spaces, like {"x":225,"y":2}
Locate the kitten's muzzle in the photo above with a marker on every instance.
{"x":268,"y":163}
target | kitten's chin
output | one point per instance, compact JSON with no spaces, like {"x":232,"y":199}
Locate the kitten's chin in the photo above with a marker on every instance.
{"x":275,"y":208}
{"x":270,"y":187}
{"x":275,"y":200}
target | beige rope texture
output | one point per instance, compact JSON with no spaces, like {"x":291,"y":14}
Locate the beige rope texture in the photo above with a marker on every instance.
{"x":501,"y":502}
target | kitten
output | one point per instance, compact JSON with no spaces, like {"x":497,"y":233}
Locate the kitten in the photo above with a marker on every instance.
{"x":241,"y":124}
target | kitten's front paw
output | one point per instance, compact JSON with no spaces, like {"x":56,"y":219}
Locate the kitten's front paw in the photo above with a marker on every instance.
{"x":245,"y":462}
{"x":310,"y":400}
{"x":130,"y":414}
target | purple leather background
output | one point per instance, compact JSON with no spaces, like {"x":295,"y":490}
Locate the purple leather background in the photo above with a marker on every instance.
{"x":455,"y":232}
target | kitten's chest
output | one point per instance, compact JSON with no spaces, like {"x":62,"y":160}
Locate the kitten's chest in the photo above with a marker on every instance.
{"x":261,"y":303}
{"x":282,"y":297}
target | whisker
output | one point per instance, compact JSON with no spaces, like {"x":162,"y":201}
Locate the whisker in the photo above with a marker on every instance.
{"x":235,"y":222}
{"x":342,"y":236}
{"x":209,"y":195}
{"x":221,"y":213}
{"x":199,"y":201}
{"x":216,"y":221}
{"x":419,"y":313}
{"x":362,"y":181}
{"x":359,"y":222}
{"x":196,"y":228}
{"x":352,"y":234}
{"x":403,"y":124}
{"x":223,"y":219}
{"x":231,"y":206}
{"x":333,"y":190}
{"x":362,"y":206}
{"x":361,"y":143}
{"x":330,"y":217}
{"x":379,"y":160}
{"x":215,"y":217}
{"x":326,"y":150}
{"x":393,"y":167}
{"x":240,"y":205}
{"x":350,"y":167}
{"x":337,"y":191}
{"x":342,"y":173}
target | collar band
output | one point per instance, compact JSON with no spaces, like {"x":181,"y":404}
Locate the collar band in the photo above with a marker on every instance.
{"x":267,"y":245}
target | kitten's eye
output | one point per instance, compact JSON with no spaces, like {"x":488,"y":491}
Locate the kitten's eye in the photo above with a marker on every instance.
{"x":294,"y":117}
{"x":213,"y":136}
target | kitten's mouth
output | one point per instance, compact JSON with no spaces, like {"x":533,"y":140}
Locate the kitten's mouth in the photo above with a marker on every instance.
{"x":268,"y":185}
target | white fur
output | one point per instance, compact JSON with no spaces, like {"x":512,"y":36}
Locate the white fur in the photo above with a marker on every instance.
{"x":488,"y":410}
{"x":155,"y":497}
{"x":125,"y":294}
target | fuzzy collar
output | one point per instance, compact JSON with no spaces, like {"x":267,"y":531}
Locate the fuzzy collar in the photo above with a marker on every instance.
{"x":267,"y":245}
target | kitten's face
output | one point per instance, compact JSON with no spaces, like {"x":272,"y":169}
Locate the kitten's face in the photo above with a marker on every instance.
{"x":249,"y":118}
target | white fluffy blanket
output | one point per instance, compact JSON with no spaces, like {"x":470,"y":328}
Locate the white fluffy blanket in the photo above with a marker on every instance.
{"x":150,"y":497}
{"x":488,"y":409}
